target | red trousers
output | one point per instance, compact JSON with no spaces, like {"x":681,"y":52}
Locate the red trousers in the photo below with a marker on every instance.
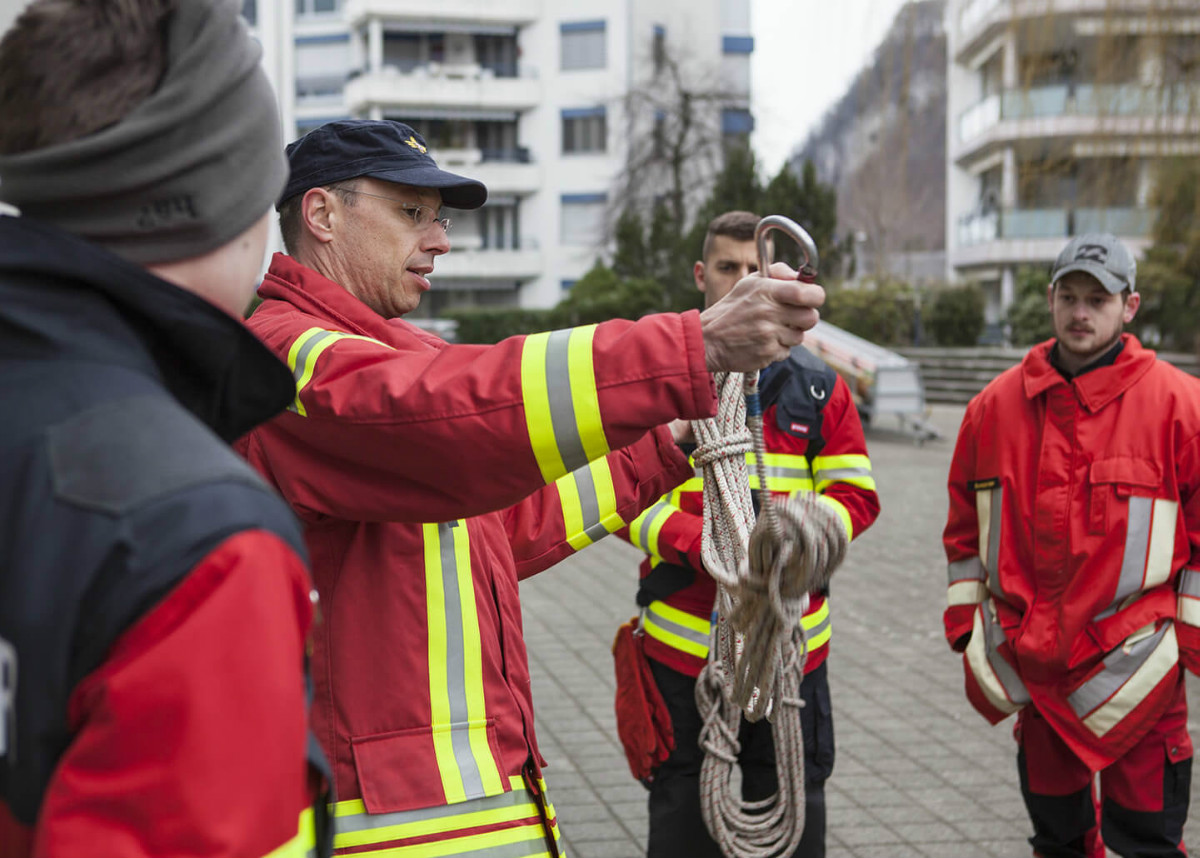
{"x":1143,"y":796}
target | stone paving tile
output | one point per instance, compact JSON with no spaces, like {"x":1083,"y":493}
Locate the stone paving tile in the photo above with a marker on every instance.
{"x":912,"y":755}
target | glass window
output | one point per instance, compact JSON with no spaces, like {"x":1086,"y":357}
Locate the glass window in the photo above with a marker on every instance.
{"x":250,"y":11}
{"x":584,"y":45}
{"x":584,"y":130}
{"x":582,"y":219}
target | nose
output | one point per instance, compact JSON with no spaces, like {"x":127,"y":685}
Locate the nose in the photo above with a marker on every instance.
{"x":436,"y":240}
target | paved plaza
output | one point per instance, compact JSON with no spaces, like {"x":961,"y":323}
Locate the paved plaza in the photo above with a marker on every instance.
{"x":918,"y":775}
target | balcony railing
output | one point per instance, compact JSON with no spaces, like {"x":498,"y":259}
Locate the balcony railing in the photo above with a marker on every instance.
{"x":442,"y":86}
{"x":1082,"y":100}
{"x":1017,"y":224}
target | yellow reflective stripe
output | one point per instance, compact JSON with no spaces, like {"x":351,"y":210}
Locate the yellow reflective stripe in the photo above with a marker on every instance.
{"x":843,"y":513}
{"x":644,"y":530}
{"x":562,"y":405}
{"x":355,"y":827}
{"x":677,"y":629}
{"x":853,"y":470}
{"x":589,"y":504}
{"x":695,"y":484}
{"x":481,"y":750}
{"x":458,"y":711}
{"x":304,"y":841}
{"x":302,"y":357}
{"x":537,"y":407}
{"x":584,"y":395}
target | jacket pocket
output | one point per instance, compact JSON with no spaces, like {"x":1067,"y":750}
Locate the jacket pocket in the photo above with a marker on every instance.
{"x":416,"y":768}
{"x":1113,"y":481}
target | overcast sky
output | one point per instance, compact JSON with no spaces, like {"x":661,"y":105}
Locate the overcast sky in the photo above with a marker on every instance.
{"x":806,"y":52}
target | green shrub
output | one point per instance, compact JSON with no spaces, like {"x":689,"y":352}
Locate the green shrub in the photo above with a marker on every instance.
{"x":954,"y":316}
{"x":1029,"y":317}
{"x":882,"y":313}
{"x":492,"y":326}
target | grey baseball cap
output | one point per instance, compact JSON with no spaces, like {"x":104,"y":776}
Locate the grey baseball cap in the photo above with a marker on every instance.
{"x":1102,"y":255}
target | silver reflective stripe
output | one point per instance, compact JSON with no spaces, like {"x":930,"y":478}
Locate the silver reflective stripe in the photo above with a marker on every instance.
{"x":970,"y":569}
{"x":700,"y":638}
{"x":456,"y":664}
{"x":562,"y":407}
{"x":589,"y":503}
{"x":994,"y":505}
{"x":819,"y":628}
{"x":1013,"y":686}
{"x":835,"y":474}
{"x":643,"y":536}
{"x":1119,"y":666}
{"x":782,"y":473}
{"x":301,"y":366}
{"x":1189,"y":583}
{"x":1133,"y":564}
{"x":368,"y":821}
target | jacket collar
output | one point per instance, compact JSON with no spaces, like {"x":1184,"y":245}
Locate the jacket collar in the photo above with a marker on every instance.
{"x":1095,"y":388}
{"x":313,"y":293}
{"x":78,"y":300}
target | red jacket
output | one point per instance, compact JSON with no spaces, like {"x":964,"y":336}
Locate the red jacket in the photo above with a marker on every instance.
{"x":422,"y":683}
{"x":1072,"y":536}
{"x":677,"y":627}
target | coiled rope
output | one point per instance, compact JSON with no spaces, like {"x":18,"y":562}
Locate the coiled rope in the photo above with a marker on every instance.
{"x":764,"y":571}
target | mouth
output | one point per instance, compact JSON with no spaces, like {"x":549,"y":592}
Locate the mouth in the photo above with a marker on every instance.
{"x":421,"y":273}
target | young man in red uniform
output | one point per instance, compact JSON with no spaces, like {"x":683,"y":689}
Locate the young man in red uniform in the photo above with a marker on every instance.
{"x":1074,"y":590}
{"x":399,"y":448}
{"x":154,"y":603}
{"x":814,"y":442}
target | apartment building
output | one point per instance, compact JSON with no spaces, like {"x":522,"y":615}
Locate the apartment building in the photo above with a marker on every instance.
{"x":525,"y":95}
{"x":1059,"y":114}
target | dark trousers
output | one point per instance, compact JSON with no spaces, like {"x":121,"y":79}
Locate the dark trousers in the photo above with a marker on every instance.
{"x":677,"y":828}
{"x":1144,"y":795}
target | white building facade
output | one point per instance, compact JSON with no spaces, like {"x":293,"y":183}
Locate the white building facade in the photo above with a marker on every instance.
{"x":524,"y":95}
{"x":1059,"y":114}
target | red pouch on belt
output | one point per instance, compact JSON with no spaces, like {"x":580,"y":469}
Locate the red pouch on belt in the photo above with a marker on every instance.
{"x":643,"y":722}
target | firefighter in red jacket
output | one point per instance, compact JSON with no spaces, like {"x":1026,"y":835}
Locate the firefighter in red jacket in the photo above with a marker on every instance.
{"x":399,"y":449}
{"x":1074,"y":584}
{"x":814,"y":442}
{"x":154,"y":600}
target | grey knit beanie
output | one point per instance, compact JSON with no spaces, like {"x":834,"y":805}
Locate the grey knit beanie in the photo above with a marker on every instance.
{"x":192,"y":167}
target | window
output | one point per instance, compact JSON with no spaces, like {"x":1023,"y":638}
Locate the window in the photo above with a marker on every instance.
{"x":658,"y":48}
{"x":584,"y":130}
{"x":322,"y":65}
{"x":583,"y":45}
{"x":737,"y":45}
{"x":736,"y":120}
{"x":582,"y":219}
{"x":250,"y":11}
{"x":568,"y":284}
{"x":316,"y":7}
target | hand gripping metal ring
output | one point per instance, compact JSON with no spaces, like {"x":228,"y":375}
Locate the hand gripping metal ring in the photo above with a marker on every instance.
{"x":808,"y":247}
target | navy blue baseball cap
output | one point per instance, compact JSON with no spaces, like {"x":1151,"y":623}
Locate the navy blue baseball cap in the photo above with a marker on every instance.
{"x":379,"y":148}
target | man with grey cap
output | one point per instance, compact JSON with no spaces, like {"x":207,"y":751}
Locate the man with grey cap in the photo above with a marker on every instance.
{"x":399,"y":449}
{"x":1073,"y":542}
{"x":154,"y":600}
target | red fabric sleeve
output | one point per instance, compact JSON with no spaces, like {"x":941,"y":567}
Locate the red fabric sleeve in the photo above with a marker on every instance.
{"x":1188,"y":469}
{"x":190,"y":739}
{"x":961,"y":536}
{"x":414,"y":432}
{"x":640,"y":473}
{"x":842,"y":432}
{"x":679,"y":535}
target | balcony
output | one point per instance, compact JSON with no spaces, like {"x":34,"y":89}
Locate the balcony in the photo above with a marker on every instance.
{"x":482,"y":13}
{"x":980,"y":21}
{"x":468,"y":261}
{"x":504,"y":171}
{"x":1062,"y":111}
{"x":1026,"y":235}
{"x":435,"y":85}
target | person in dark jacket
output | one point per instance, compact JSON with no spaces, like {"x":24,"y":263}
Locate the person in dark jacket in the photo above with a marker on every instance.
{"x":154,"y":598}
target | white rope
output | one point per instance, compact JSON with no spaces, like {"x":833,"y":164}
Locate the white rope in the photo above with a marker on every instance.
{"x":764,"y":573}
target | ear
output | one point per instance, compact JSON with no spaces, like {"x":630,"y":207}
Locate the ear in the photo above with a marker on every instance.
{"x":1050,"y":297}
{"x":318,"y":212}
{"x":698,"y":276}
{"x":1131,"y":306}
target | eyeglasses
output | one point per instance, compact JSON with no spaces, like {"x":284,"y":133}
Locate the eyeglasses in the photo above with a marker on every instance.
{"x":421,"y":216}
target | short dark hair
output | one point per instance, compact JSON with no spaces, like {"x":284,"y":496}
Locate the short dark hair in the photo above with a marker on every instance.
{"x":69,"y":69}
{"x":738,"y":225}
{"x":289,"y":212}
